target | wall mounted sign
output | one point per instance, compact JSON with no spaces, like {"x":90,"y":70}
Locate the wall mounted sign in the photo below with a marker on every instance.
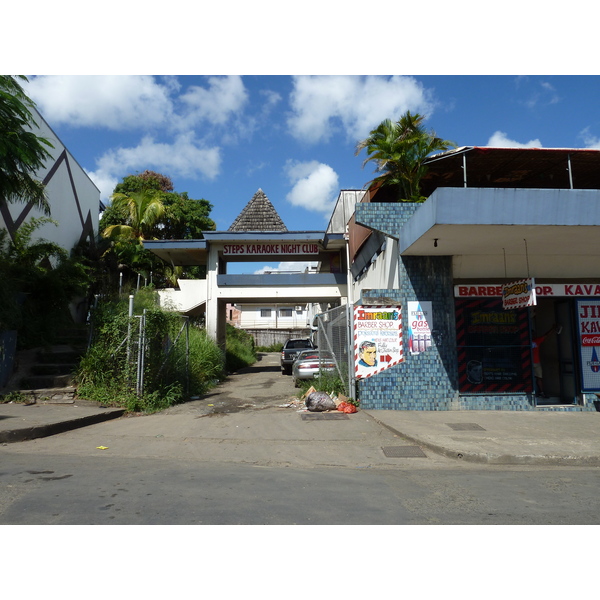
{"x":558,"y":290}
{"x":268,"y":249}
{"x":518,"y":294}
{"x":420,"y":326}
{"x":377,"y":339}
{"x":588,"y":320}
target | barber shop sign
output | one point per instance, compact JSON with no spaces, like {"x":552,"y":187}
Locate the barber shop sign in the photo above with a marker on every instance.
{"x":377,"y":339}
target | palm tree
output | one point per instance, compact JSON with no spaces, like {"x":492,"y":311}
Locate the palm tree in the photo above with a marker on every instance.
{"x":144,"y":210}
{"x":22,"y":153}
{"x":399,"y":149}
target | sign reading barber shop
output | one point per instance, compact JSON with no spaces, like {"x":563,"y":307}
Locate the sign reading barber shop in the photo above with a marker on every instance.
{"x":519,"y":294}
{"x":377,"y":339}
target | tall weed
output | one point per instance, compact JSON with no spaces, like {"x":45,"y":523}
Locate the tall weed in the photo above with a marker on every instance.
{"x":178,"y":363}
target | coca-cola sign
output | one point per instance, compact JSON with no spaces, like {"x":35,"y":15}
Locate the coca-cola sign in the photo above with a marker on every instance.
{"x":590,"y":340}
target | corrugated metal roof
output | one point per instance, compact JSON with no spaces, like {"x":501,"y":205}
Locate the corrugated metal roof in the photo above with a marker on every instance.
{"x":486,"y":167}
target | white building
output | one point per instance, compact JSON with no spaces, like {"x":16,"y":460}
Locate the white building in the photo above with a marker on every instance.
{"x":73,"y":197}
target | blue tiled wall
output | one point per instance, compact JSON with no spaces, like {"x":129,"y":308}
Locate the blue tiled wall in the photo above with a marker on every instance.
{"x":426,"y":381}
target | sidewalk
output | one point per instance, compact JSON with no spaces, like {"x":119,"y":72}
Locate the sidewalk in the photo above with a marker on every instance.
{"x":502,"y":437}
{"x":492,"y":437}
{"x":20,"y":422}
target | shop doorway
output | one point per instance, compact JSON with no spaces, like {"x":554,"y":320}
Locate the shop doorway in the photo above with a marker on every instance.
{"x":560,"y":378}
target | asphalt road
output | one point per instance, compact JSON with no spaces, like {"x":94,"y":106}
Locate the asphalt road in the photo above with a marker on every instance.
{"x":243,"y":455}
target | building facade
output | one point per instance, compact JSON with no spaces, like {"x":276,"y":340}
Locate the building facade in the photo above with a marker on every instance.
{"x":492,"y":217}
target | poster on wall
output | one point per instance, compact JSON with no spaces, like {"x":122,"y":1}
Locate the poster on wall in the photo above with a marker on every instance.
{"x":377,"y":339}
{"x":420,"y":326}
{"x":588,"y":320}
{"x":494,"y":353}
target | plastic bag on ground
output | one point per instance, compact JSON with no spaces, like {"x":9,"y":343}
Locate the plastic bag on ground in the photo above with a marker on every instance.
{"x":319,"y":402}
{"x":346,"y":407}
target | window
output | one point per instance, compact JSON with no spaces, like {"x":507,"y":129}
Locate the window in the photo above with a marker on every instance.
{"x":265,"y":312}
{"x":285,"y":312}
{"x":494,"y":355}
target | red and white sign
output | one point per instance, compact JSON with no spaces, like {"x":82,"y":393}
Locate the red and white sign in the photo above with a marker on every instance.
{"x":558,"y":290}
{"x":377,"y":339}
{"x":518,"y":294}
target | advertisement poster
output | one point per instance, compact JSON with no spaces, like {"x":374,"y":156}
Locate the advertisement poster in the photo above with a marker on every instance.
{"x":494,"y":352}
{"x":519,"y":294}
{"x":420,"y":326}
{"x":588,"y":319}
{"x":377,"y":339}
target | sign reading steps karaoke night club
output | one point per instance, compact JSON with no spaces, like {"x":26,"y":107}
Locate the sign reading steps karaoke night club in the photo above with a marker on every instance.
{"x":377,"y":339}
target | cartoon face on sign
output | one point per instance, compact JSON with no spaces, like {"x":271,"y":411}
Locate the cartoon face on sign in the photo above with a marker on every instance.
{"x":368,"y":354}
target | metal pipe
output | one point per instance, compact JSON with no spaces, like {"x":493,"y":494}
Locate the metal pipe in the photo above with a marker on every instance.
{"x":569,"y":169}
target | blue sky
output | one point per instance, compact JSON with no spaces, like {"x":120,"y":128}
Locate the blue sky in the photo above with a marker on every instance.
{"x":226,"y":118}
{"x":223,"y":137}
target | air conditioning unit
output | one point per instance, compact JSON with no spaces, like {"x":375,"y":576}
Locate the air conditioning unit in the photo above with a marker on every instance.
{"x":299,"y":307}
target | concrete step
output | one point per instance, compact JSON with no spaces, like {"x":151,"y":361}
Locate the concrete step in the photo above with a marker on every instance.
{"x":62,"y":395}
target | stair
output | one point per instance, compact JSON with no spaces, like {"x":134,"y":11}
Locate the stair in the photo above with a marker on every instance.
{"x":45,"y":375}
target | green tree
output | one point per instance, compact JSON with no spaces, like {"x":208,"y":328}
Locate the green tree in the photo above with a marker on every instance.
{"x":182,"y":218}
{"x":399,"y":149}
{"x":144,"y":209}
{"x":22,"y":153}
{"x":146,"y":180}
{"x":39,"y":280}
{"x":185,"y":218}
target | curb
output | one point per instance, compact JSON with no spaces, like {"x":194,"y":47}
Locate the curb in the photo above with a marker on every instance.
{"x":39,"y":431}
{"x":498,"y":459}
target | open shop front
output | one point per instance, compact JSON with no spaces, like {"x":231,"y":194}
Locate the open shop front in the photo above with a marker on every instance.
{"x":496,"y":346}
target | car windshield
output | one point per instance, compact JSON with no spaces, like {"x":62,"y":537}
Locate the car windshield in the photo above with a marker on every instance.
{"x":314,"y":354}
{"x":298,"y":344}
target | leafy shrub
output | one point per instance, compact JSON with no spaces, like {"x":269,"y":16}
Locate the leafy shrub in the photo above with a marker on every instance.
{"x":271,"y":348}
{"x":325,"y":382}
{"x":240,"y":351}
{"x":39,"y":280}
{"x":179,"y":362}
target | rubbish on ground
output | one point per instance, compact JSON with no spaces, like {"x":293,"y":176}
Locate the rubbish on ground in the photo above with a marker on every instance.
{"x":346,"y":407}
{"x":319,"y":402}
{"x":101,"y":447}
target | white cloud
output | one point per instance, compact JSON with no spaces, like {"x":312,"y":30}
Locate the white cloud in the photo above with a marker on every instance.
{"x":500,"y":140}
{"x":314,"y":185}
{"x":357,"y":104}
{"x":113,"y":101}
{"x":589,"y":140}
{"x":105,"y":182}
{"x":224,"y":97}
{"x":184,"y":157}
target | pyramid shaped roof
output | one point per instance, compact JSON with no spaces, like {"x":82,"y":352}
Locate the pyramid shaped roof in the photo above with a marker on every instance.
{"x":258,"y":215}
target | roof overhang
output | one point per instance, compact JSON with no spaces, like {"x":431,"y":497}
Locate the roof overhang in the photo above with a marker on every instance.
{"x":179,"y":252}
{"x":195,"y":252}
{"x":491,"y":221}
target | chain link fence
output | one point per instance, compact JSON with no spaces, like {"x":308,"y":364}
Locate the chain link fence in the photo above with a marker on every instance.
{"x":143,"y":352}
{"x":333,"y":335}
